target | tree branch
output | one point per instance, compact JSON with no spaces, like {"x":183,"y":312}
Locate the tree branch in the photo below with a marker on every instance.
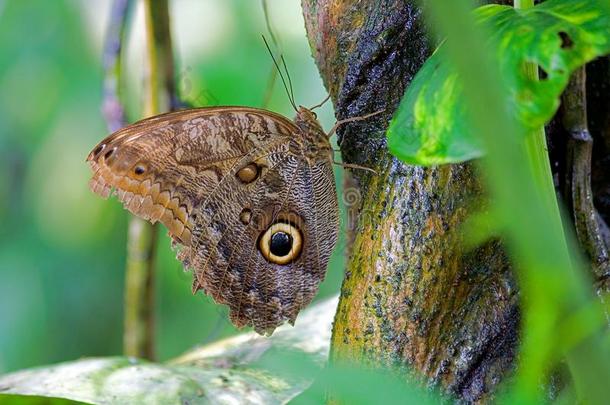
{"x":578,"y":191}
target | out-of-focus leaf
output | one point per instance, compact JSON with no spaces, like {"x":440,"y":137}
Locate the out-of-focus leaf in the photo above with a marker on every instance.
{"x":357,"y":385}
{"x":35,"y":400}
{"x":226,"y":372}
{"x":431,"y":125}
{"x":106,"y":380}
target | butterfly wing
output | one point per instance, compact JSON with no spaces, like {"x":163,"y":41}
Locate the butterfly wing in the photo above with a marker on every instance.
{"x":220,"y":179}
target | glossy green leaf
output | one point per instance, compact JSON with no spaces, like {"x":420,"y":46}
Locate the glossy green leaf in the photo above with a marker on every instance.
{"x":431,"y":125}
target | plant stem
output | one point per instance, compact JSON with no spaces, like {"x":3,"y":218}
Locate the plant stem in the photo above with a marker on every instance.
{"x":113,"y":109}
{"x":160,"y":86}
{"x":537,"y":154}
{"x":138,"y":339}
{"x":536,"y":147}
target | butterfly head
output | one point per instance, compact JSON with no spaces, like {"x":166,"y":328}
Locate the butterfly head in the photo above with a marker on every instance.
{"x":307,"y":121}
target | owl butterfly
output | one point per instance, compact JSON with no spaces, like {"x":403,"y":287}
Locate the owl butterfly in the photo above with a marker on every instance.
{"x":248,"y":195}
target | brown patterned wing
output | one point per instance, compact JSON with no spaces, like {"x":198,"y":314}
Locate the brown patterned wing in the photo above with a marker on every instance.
{"x":230,"y":257}
{"x":229,"y":183}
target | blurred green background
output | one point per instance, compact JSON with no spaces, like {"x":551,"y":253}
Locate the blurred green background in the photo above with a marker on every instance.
{"x":62,"y":249}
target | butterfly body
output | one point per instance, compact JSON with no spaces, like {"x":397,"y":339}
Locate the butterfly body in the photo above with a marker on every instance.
{"x":246,"y":194}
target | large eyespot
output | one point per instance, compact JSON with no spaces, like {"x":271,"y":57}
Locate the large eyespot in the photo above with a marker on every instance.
{"x":281,"y":243}
{"x":248,"y":173}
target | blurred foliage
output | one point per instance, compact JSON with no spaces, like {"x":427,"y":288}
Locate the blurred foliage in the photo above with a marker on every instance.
{"x":558,"y":36}
{"x":563,"y":322}
{"x":248,"y":369}
{"x":62,"y":249}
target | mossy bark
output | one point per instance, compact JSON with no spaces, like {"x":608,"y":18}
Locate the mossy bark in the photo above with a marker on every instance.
{"x":413,"y":295}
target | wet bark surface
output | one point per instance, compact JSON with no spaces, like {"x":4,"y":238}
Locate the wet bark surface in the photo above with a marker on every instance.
{"x":414,"y":295}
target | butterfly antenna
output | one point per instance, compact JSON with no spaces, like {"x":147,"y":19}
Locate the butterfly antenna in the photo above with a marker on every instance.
{"x":288,"y":76}
{"x":268,"y":24}
{"x":277,"y":66}
{"x":273,"y":73}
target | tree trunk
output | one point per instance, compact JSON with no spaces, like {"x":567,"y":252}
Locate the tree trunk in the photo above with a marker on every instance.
{"x":413,"y":295}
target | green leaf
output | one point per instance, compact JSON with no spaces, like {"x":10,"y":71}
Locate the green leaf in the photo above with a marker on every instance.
{"x":234,"y":370}
{"x":431,"y":125}
{"x":34,"y":400}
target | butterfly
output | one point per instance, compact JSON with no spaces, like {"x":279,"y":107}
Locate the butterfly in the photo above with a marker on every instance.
{"x":246,"y":194}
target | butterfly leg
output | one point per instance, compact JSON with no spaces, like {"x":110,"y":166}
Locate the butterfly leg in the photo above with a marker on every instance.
{"x":354,"y":166}
{"x":320,"y":104}
{"x":351,"y":119}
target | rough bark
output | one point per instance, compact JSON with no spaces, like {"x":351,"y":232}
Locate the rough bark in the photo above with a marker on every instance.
{"x":413,"y":295}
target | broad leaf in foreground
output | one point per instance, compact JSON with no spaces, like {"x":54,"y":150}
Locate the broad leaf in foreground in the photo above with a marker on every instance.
{"x":227,"y":372}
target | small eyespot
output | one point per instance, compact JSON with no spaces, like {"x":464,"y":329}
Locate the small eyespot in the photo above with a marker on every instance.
{"x":139,"y":169}
{"x":248,"y":173}
{"x":245,"y":216}
{"x":281,"y":243}
{"x":109,"y":153}
{"x":99,"y":149}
